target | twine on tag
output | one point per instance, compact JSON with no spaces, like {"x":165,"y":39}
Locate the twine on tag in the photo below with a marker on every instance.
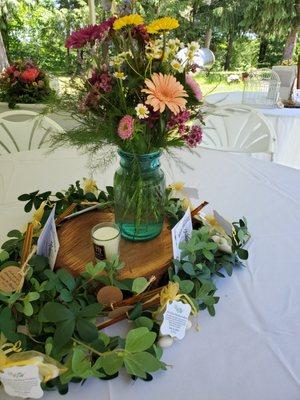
{"x":170,"y":293}
{"x":24,"y":268}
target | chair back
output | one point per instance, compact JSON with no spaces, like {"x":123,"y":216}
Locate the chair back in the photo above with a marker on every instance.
{"x":22,"y":130}
{"x":238,"y":128}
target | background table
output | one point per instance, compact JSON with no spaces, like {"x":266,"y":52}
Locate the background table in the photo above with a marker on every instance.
{"x":250,"y":349}
{"x":285,"y":121}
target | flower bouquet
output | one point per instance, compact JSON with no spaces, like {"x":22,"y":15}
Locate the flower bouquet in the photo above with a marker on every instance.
{"x":141,"y":98}
{"x":24,"y":82}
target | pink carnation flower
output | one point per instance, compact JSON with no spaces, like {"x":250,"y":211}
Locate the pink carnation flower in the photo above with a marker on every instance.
{"x":193,"y":85}
{"x":125,"y":128}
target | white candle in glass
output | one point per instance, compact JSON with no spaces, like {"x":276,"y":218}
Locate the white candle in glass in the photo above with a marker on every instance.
{"x":106,"y":240}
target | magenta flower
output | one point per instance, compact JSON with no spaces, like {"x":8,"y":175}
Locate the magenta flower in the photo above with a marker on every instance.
{"x":179,"y":119}
{"x":89,"y":34}
{"x":194,"y":137}
{"x":125,"y":128}
{"x":193,"y":85}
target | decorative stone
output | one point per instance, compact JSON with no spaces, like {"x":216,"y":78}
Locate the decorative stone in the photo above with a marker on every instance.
{"x":165,"y":341}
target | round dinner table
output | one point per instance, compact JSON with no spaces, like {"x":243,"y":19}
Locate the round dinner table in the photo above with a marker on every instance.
{"x":250,"y":349}
{"x":285,"y":121}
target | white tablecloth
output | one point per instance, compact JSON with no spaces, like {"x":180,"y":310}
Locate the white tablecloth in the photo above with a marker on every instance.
{"x":250,"y":349}
{"x":285,"y":121}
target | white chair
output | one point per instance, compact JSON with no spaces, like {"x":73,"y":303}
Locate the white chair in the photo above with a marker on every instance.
{"x":287,"y":75}
{"x":22,"y":130}
{"x":238,"y":128}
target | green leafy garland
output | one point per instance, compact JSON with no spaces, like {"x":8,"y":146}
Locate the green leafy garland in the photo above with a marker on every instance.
{"x":55,"y":313}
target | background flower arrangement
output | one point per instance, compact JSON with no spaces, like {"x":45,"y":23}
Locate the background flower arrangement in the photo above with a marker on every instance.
{"x":24,"y":82}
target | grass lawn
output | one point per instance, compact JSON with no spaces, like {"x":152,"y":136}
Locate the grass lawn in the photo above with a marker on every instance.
{"x":209,"y":86}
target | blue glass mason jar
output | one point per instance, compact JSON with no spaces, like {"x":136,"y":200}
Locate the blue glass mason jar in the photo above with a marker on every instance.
{"x":139,"y":193}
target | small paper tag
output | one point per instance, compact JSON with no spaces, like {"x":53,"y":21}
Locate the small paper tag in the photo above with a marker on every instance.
{"x":22,"y":382}
{"x":48,"y":243}
{"x":181,"y":232}
{"x":175,"y":319}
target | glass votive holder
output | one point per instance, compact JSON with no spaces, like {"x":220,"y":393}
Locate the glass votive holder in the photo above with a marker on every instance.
{"x":106,"y":240}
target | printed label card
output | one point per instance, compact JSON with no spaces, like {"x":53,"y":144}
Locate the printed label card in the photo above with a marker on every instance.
{"x":24,"y":382}
{"x":175,"y":319}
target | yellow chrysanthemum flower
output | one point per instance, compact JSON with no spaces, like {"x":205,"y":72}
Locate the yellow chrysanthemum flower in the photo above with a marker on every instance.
{"x":162,"y":24}
{"x":132,"y":19}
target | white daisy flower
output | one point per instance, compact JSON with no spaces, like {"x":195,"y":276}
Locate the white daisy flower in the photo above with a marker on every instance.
{"x":142,"y":111}
{"x":177,"y":65}
{"x":193,"y":46}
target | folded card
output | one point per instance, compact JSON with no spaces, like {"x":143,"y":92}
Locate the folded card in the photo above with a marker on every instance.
{"x":48,"y":244}
{"x":181,"y":232}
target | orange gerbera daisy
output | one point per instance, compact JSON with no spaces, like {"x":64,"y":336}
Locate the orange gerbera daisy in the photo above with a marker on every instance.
{"x":165,"y":91}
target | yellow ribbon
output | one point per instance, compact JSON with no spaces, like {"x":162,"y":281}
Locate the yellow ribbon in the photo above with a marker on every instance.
{"x":48,"y":367}
{"x":90,"y":186}
{"x":170,"y":293}
{"x":38,"y":215}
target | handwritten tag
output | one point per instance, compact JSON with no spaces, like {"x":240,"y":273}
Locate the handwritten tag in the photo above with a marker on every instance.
{"x":175,"y":319}
{"x":22,"y":382}
{"x":11,"y":279}
{"x":48,"y":244}
{"x":181,"y":232}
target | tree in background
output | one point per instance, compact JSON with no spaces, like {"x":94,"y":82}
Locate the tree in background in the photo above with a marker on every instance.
{"x":292,"y":37}
{"x":7,"y":10}
{"x":241,"y":33}
{"x":273,"y":20}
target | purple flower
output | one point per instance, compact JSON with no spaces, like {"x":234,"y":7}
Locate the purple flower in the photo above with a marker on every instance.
{"x":178,"y":119}
{"x":89,"y":34}
{"x":152,"y":118}
{"x":194,"y":137}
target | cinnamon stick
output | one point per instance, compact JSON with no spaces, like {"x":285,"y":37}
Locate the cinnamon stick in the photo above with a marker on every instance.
{"x":138,"y":298}
{"x":67,"y":212}
{"x":199,"y":208}
{"x":105,"y":324}
{"x":27,"y":243}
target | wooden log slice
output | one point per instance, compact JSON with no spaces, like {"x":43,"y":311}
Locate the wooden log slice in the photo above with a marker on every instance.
{"x":146,"y":259}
